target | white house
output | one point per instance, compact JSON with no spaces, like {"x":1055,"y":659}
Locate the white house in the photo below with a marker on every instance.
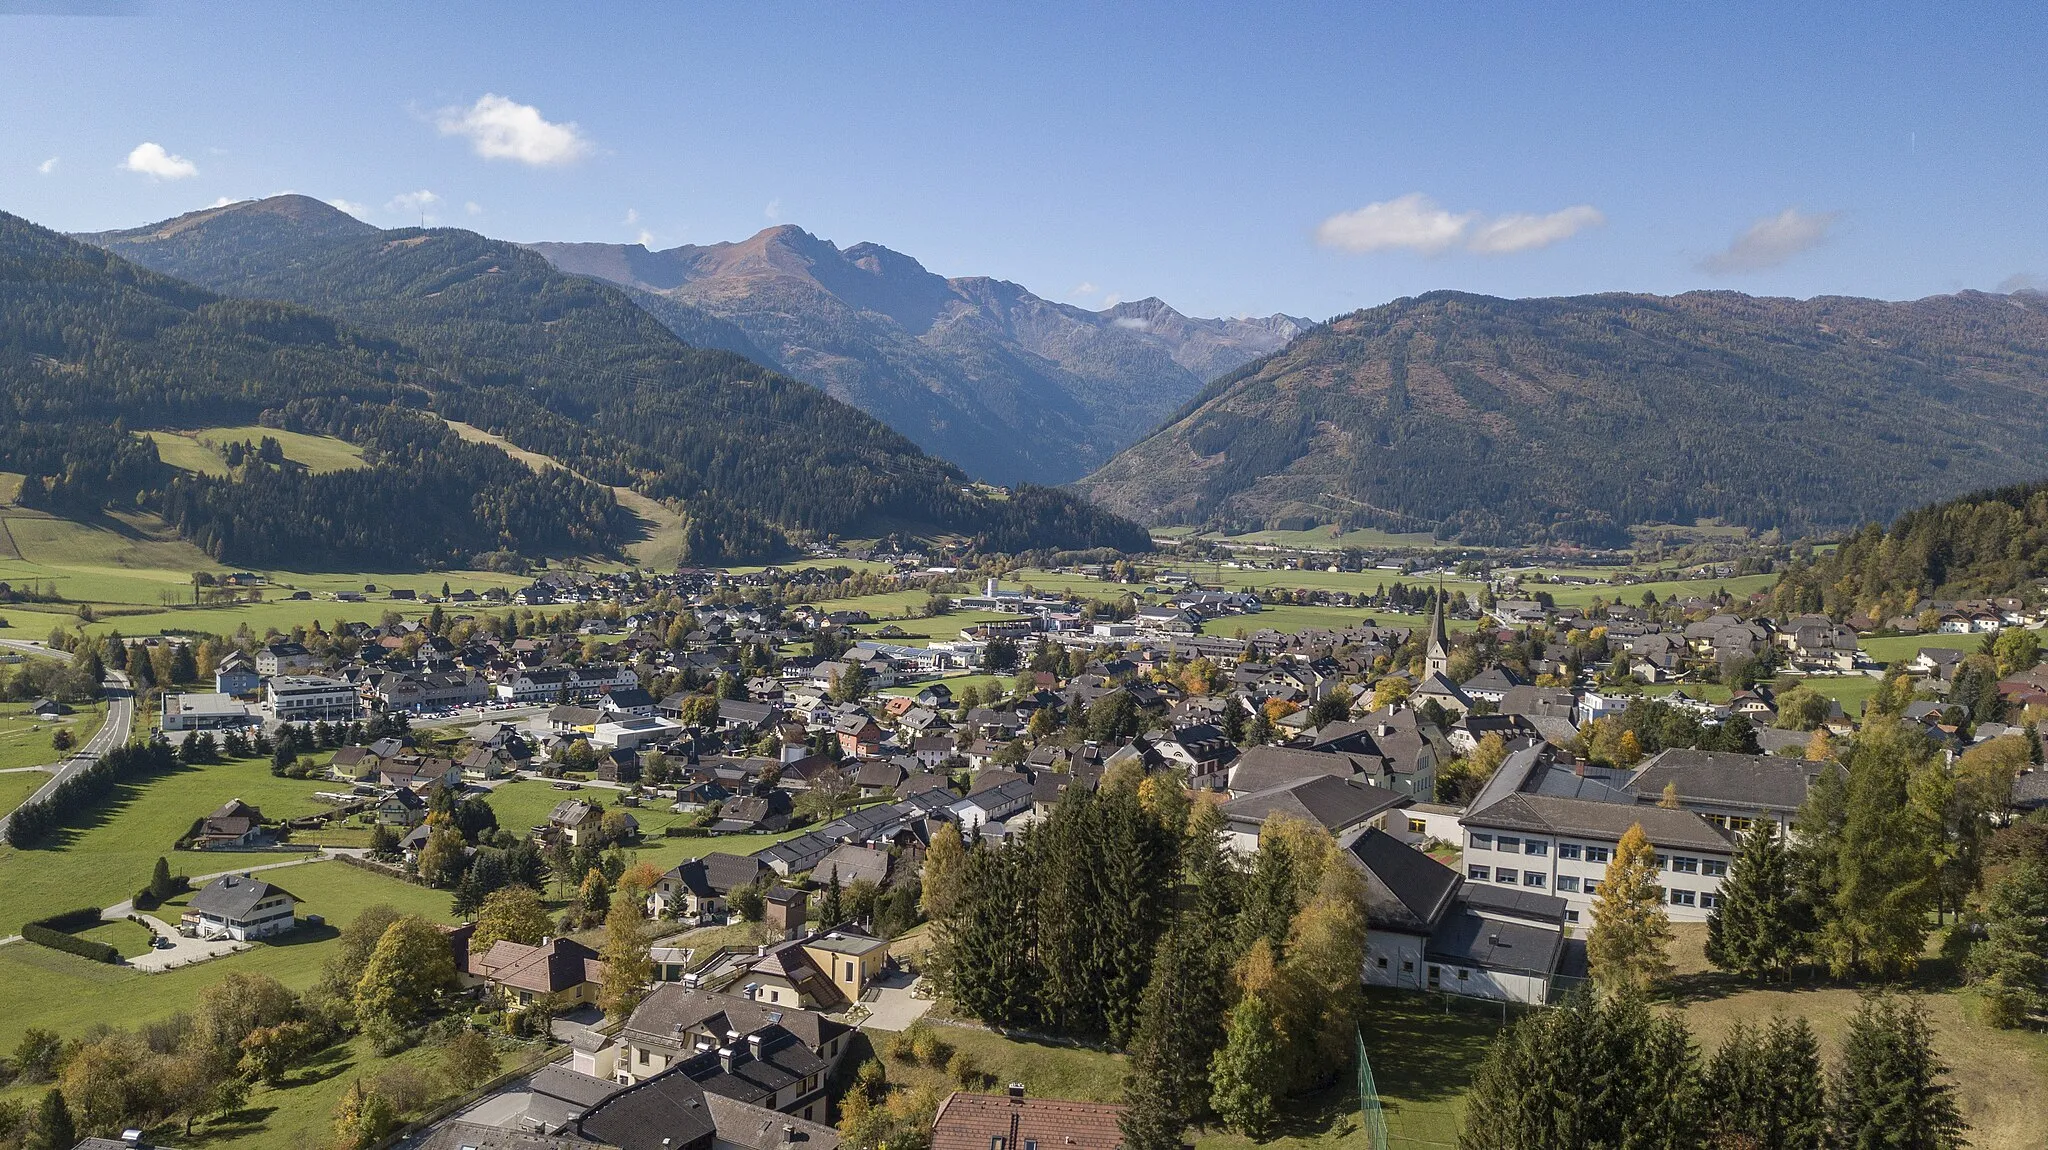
{"x":240,"y":907}
{"x":1561,"y":846}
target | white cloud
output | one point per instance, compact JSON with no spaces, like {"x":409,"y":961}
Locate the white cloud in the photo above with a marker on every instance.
{"x":153,"y":161}
{"x":632,"y":216}
{"x":503,"y":129}
{"x":418,"y":205}
{"x":1504,"y":235}
{"x":1417,"y":223}
{"x":359,"y":211}
{"x":1132,"y":323}
{"x":472,"y":207}
{"x":1111,"y":300}
{"x":1771,"y":241}
{"x":47,"y":166}
{"x":1085,"y":288}
{"x":774,"y":209}
{"x":2022,"y":281}
{"x":222,"y":202}
{"x":646,"y":239}
{"x":1413,"y":221}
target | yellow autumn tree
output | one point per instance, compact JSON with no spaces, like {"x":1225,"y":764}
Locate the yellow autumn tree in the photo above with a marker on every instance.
{"x":1631,"y":933}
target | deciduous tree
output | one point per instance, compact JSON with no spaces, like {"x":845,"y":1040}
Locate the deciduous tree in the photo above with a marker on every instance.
{"x":1626,"y":949}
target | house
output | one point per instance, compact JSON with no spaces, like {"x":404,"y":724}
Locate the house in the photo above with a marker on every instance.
{"x":1558,"y":845}
{"x":234,"y":824}
{"x":851,"y":863}
{"x":311,"y":699}
{"x":858,"y":733}
{"x":1338,"y":805}
{"x":1431,"y":929}
{"x":576,"y":819}
{"x":632,"y":701}
{"x":1013,"y":1122}
{"x":236,"y":674}
{"x":401,"y":808}
{"x":417,"y":772}
{"x":774,"y":1056}
{"x":1492,"y":685}
{"x":697,"y":889}
{"x":239,"y":907}
{"x":1728,"y":790}
{"x":559,"y":966}
{"x":851,"y":961}
{"x":633,"y":733}
{"x":992,"y":805}
{"x":284,"y":659}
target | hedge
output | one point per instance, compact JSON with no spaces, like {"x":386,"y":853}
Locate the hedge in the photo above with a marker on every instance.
{"x":51,"y":931}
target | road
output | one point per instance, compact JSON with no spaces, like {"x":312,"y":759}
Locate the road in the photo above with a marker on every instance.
{"x":120,"y":723}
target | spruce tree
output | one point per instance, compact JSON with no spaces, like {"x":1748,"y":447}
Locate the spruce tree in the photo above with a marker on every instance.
{"x":1626,"y":949}
{"x":1889,"y":1089}
{"x":1246,"y":1076}
{"x":1885,"y":860}
{"x":161,"y":885}
{"x":2010,"y":963}
{"x":832,"y":908}
{"x":52,"y":1128}
{"x":1758,"y":928}
{"x":987,"y":941}
{"x":1180,"y":1028}
{"x":1764,"y":1088}
{"x":1134,"y":861}
{"x":1269,"y":897}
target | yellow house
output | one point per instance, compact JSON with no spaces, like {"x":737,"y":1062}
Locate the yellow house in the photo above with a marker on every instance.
{"x":852,"y":961}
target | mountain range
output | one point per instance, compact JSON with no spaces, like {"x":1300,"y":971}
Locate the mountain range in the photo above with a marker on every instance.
{"x":490,"y":334}
{"x":1503,"y":421}
{"x":980,"y":371}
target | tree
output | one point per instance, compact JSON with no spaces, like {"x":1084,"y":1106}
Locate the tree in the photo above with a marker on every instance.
{"x":1890,"y":1089}
{"x":628,"y":966}
{"x":410,"y":967}
{"x":1759,"y":927}
{"x":443,"y":858}
{"x":62,"y":740}
{"x":940,"y":878}
{"x":2016,"y":649}
{"x":1884,"y":861}
{"x":827,"y":798}
{"x":1631,"y":932}
{"x":468,"y":1060}
{"x":2010,"y":963}
{"x":51,"y":1128}
{"x":512,"y":912}
{"x":1179,"y":1031}
{"x":1765,"y":1088}
{"x":358,"y":941}
{"x":1802,"y":709}
{"x":832,"y":907}
{"x":35,"y":1056}
{"x":1248,"y":1073}
{"x":986,"y":941}
{"x":1390,"y":691}
{"x":362,"y":1118}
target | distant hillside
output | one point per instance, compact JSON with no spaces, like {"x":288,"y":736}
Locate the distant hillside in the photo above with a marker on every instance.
{"x":1491,"y":420}
{"x":572,"y":369}
{"x":1010,"y":386}
{"x":94,"y":349}
{"x":1986,"y":543}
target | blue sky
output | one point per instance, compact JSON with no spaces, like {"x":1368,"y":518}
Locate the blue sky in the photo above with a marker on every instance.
{"x":1229,"y":158}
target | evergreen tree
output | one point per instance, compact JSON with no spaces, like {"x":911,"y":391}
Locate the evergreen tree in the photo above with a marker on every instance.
{"x":1758,"y":928}
{"x":1631,"y":932}
{"x":161,"y":885}
{"x":2010,"y":963}
{"x":51,"y":1129}
{"x":1884,"y":860}
{"x":1889,"y":1089}
{"x":1247,"y":1075}
{"x":832,"y":907}
{"x":986,"y":942}
{"x":1269,"y":896}
{"x":1135,"y":861}
{"x":1179,"y":1031}
{"x":1765,"y":1088}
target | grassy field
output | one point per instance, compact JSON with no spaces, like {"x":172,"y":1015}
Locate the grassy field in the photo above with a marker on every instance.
{"x":130,"y":938}
{"x":25,"y":739}
{"x":108,"y":855}
{"x":201,"y":450}
{"x":524,"y":803}
{"x":1894,"y":648}
{"x":1331,"y":538}
{"x":68,"y":994}
{"x":17,"y":786}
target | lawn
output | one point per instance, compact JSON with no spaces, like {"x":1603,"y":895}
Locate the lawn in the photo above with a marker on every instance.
{"x":25,"y":739}
{"x":109,"y":854}
{"x":524,"y":803}
{"x":201,"y":450}
{"x":1898,"y":648}
{"x":17,"y":786}
{"x":130,"y":938}
{"x":68,"y":994}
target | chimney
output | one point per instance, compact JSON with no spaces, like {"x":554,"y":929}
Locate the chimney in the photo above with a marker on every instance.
{"x":788,"y":1134}
{"x":1579,"y":767}
{"x":754,"y":1047}
{"x":725,"y":1059}
{"x":1017,"y":1092}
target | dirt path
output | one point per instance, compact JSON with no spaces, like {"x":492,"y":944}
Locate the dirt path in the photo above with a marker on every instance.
{"x":663,"y":543}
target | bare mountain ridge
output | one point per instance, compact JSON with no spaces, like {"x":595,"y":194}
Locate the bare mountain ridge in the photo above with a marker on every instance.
{"x":979,"y":370}
{"x":1494,"y":420}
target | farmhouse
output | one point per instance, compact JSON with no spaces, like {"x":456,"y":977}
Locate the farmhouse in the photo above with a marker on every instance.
{"x":241,"y":908}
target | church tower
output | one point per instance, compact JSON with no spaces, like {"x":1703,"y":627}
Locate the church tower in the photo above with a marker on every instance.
{"x":1436,"y":657}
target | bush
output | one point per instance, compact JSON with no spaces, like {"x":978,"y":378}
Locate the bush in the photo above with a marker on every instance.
{"x":928,"y":1047}
{"x":70,"y":944}
{"x":966,"y":1070}
{"x":407,"y":1090}
{"x":872,"y":1079}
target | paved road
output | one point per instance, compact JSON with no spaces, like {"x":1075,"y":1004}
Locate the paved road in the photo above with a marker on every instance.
{"x":113,"y":733}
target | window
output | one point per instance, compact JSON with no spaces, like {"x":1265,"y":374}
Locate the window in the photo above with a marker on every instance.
{"x":1535,"y":847}
{"x":1407,"y":966}
{"x":996,"y":1142}
{"x":1680,"y":864}
{"x":1596,"y":854}
{"x":1739,"y":824}
{"x":1532,"y":878}
{"x":1568,"y":850}
{"x":1383,"y":962}
{"x":1417,"y":827}
{"x":1481,"y":842}
{"x":1510,"y":843}
{"x":1506,"y":875}
{"x":643,"y":1056}
{"x":1683,"y":898}
{"x":1571,"y":916}
{"x":1478,"y":873}
{"x":1566,"y":884}
{"x":1663,"y":862}
{"x":1463,"y":974}
{"x":1592,"y":886}
{"x":1709,"y":901}
{"x":1714,"y":867}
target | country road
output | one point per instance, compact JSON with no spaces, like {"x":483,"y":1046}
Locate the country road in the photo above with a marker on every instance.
{"x":113,"y":733}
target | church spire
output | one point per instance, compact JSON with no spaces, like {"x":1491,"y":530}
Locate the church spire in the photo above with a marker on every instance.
{"x":1436,"y":657}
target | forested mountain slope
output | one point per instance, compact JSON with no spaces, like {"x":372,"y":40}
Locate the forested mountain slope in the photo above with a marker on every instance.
{"x":573,"y":369}
{"x":1493,"y":420}
{"x":977,"y":370}
{"x":93,"y":347}
{"x":1986,"y":543}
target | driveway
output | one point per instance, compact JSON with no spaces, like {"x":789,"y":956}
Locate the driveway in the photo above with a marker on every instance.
{"x":182,"y":951}
{"x":894,"y":1005}
{"x":565,"y":1027}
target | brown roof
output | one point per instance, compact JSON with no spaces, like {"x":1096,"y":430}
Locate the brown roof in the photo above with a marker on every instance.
{"x":969,"y":1121}
{"x":558,"y":965}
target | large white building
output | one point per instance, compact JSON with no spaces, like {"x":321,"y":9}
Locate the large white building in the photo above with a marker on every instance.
{"x":1561,"y":846}
{"x":310,"y":699}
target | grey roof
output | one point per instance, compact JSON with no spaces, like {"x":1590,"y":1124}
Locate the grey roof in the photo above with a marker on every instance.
{"x":1510,"y":776}
{"x":233,"y":896}
{"x":1468,"y":938}
{"x":1513,"y":901}
{"x":670,"y":1006}
{"x":666,"y":1110}
{"x":1262,"y":767}
{"x":1758,"y":782}
{"x":1405,"y":888}
{"x":1334,"y":803}
{"x":453,"y":1136}
{"x":1606,"y":822}
{"x":853,"y":863}
{"x":758,"y":1128}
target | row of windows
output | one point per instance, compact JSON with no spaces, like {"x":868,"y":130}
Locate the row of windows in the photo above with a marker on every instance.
{"x":1508,"y":876}
{"x":1676,"y":864}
